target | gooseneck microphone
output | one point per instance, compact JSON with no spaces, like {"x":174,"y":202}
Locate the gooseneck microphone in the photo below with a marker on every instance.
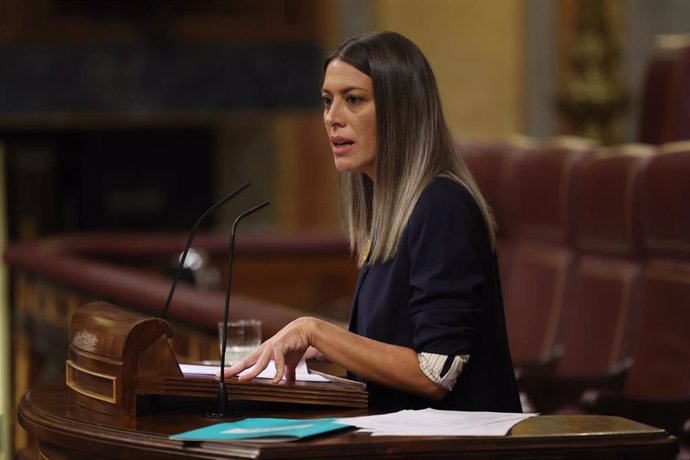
{"x":222,"y":405}
{"x":189,"y":243}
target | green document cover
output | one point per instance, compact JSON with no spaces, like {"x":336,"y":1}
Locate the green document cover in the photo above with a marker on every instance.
{"x":262,"y":429}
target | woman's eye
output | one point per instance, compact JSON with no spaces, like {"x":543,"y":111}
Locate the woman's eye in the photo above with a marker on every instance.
{"x":326,"y":101}
{"x":353,"y":100}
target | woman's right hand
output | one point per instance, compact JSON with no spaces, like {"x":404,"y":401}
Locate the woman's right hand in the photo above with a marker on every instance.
{"x":286,"y":348}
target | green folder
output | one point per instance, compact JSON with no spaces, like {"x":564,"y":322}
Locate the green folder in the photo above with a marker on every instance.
{"x":262,"y":429}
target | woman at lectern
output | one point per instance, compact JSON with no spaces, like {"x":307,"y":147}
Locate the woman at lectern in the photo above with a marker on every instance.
{"x":427,"y":326}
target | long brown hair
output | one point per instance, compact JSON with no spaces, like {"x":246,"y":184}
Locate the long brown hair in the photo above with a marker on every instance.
{"x":414,"y":144}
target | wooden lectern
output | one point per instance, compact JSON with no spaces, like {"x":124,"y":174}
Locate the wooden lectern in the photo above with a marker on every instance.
{"x":116,"y":355}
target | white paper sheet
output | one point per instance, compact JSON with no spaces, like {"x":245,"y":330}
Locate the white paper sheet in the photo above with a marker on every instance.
{"x":301,"y":372}
{"x":433,"y":422}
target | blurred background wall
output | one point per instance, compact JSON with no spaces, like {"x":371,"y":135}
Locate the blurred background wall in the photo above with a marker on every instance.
{"x":120,"y":114}
{"x":478,"y":58}
{"x":136,"y":114}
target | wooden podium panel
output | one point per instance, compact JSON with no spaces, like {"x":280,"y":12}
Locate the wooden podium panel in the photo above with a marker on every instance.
{"x":331,"y":393}
{"x":45,"y":413}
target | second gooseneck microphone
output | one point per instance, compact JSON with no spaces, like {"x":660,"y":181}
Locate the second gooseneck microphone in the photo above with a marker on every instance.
{"x":222,"y":404}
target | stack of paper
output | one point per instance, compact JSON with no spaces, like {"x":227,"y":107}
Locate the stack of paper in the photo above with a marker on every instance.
{"x":433,"y":422}
{"x":426,"y":422}
{"x":301,"y":372}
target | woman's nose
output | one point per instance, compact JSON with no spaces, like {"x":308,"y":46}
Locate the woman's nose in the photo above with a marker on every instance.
{"x":333,"y":115}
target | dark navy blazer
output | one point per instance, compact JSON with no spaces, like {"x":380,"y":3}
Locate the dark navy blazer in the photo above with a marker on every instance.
{"x":441,"y":294}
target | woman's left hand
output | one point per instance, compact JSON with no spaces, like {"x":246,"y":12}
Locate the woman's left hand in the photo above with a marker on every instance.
{"x":286,"y":348}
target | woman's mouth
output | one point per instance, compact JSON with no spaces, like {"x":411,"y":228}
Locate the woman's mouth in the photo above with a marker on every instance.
{"x":341,"y":145}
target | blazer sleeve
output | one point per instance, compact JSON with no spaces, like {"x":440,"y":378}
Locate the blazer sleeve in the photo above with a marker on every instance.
{"x":446,"y":232}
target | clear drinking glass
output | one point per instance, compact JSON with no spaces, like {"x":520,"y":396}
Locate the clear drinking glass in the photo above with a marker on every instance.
{"x":244,"y":336}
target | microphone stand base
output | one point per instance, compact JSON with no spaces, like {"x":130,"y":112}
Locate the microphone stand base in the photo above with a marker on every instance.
{"x":222,"y":403}
{"x":216,"y":415}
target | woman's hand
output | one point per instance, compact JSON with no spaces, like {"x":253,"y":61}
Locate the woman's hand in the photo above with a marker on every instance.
{"x":394,"y":366}
{"x":286,"y":348}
